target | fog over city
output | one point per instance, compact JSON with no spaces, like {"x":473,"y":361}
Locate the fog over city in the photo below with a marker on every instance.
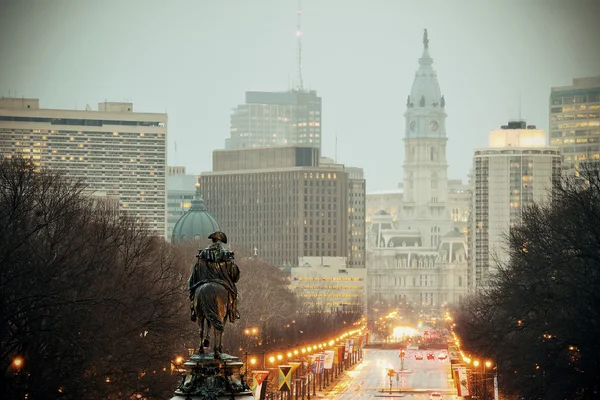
{"x":196,"y":59}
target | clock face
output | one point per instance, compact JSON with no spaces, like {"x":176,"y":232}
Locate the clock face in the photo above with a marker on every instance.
{"x":413,"y":125}
{"x":433,"y":126}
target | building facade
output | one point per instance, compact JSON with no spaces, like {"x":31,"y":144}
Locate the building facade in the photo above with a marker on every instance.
{"x":327,"y":284}
{"x":517,"y":169}
{"x":280,"y":203}
{"x":276,"y":119}
{"x":575,"y":121}
{"x":406,"y":252}
{"x":117,"y":152}
{"x":181,"y":190}
{"x":356,"y":212}
{"x":389,"y":201}
{"x":459,"y":203}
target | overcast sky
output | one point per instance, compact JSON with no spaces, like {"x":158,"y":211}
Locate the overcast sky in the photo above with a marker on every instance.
{"x":195,"y":59}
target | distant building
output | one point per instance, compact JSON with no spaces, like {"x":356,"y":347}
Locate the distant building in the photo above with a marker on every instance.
{"x":575,"y":121}
{"x":459,"y":202}
{"x":280,"y":203}
{"x":270,"y":119}
{"x":117,"y":152}
{"x":326,"y":284}
{"x":356,"y":212}
{"x":414,"y":254}
{"x":196,"y":224}
{"x":181,"y":189}
{"x":517,"y":169}
{"x":389,"y":201}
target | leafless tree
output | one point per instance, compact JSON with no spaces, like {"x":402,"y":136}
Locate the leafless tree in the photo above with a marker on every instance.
{"x":90,"y":299}
{"x":540,"y":320}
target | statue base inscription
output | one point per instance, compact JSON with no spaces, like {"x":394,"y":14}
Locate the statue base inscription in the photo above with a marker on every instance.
{"x":208,"y":378}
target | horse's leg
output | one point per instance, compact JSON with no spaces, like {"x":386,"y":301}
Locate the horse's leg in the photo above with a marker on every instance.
{"x":217,"y":346}
{"x":201,"y":324}
{"x":206,"y":342}
{"x":220,"y":341}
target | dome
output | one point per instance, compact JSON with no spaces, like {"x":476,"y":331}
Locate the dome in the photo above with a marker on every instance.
{"x":425,"y":89}
{"x":195,"y":224}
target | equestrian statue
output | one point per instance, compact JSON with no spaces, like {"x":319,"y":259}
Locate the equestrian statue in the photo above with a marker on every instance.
{"x":213,"y":293}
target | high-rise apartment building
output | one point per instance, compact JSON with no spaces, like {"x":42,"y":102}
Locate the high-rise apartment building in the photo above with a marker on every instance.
{"x":575,"y":121}
{"x":280,"y":203}
{"x":517,"y":169}
{"x":118,"y":152}
{"x":270,"y":119}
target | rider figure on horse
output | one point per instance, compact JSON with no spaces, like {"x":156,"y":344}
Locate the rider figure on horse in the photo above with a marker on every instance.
{"x":220,"y":267}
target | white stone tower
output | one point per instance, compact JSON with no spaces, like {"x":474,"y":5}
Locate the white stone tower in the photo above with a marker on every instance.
{"x":425,"y":164}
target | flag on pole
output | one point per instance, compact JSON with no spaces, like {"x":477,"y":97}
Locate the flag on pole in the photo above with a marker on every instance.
{"x":259,"y":390}
{"x":328,"y":359}
{"x":319,"y":365}
{"x":295,"y":365}
{"x":285,"y":378}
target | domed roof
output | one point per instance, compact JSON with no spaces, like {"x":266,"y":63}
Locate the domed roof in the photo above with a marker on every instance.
{"x":425,"y":89}
{"x":195,"y":224}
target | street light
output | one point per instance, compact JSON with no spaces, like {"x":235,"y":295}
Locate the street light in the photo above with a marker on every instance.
{"x":17,"y":363}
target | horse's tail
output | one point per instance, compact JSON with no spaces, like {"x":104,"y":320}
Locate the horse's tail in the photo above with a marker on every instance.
{"x":209,"y":306}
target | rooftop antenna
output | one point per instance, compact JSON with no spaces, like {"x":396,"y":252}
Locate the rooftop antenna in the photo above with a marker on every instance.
{"x":335,"y":152}
{"x":299,"y":38}
{"x":519,"y":106}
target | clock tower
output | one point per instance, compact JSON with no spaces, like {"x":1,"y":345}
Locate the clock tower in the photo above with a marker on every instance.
{"x":425,"y":165}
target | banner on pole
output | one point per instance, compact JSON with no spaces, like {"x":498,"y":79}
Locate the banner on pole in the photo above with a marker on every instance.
{"x":463,"y":381}
{"x":285,"y":378}
{"x":329,"y":354}
{"x":340,"y":353}
{"x":319,"y":365}
{"x":295,"y":365}
{"x":259,"y":390}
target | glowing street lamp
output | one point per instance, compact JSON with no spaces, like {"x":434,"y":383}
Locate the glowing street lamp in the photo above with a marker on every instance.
{"x":17,"y":362}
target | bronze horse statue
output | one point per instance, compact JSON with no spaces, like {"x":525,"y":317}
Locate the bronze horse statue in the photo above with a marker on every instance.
{"x":213,"y":303}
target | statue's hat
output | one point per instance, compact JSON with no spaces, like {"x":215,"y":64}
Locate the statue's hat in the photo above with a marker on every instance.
{"x":218,"y":235}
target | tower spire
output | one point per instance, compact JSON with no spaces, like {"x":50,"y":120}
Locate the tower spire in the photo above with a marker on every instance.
{"x":300,"y":83}
{"x":425,"y":39}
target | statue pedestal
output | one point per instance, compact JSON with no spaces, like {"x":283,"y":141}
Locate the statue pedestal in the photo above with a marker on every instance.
{"x":210,"y":379}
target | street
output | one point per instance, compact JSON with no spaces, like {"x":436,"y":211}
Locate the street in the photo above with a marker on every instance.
{"x":370,"y":379}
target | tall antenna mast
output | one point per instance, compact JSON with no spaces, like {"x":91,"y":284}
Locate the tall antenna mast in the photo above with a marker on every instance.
{"x":299,"y":38}
{"x":335,"y":152}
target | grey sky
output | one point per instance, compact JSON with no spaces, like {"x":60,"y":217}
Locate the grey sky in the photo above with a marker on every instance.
{"x":195,"y":60}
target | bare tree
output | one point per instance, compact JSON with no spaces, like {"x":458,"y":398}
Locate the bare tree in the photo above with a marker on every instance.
{"x":540,"y":320}
{"x":90,"y":299}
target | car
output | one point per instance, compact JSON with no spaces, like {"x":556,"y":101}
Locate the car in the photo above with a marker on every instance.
{"x":430,"y":356}
{"x":436,"y":396}
{"x":442,"y":356}
{"x":418,"y":356}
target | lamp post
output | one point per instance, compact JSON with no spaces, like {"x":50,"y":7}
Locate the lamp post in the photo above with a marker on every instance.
{"x":486,"y":365}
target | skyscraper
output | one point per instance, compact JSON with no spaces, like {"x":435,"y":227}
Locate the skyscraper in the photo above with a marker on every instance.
{"x":517,"y":169}
{"x":279,"y":203}
{"x":270,"y":119}
{"x":575,"y":121}
{"x":117,"y":152}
